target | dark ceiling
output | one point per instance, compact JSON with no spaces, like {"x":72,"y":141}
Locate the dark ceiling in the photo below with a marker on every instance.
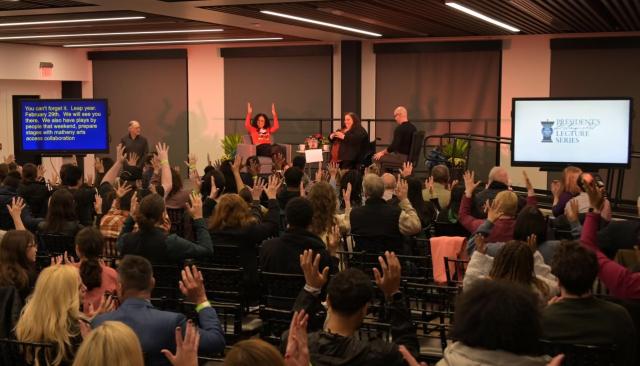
{"x":242,"y":18}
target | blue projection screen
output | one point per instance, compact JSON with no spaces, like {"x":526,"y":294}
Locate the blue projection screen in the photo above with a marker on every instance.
{"x":64,"y":126}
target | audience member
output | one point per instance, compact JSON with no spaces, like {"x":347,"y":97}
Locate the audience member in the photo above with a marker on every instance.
{"x":112,"y":222}
{"x":33,"y":189}
{"x":334,"y":341}
{"x":52,"y":313}
{"x":576,"y":316}
{"x":252,"y":167}
{"x":620,"y":281}
{"x":98,"y":278}
{"x":112,"y":343}
{"x":351,"y":178}
{"x":8,"y":194}
{"x":384,"y":223}
{"x":516,"y":262}
{"x":398,"y":152}
{"x":438,"y":189}
{"x":18,"y":251}
{"x":583,"y":198}
{"x":252,"y":352}
{"x":327,"y":223}
{"x":292,"y":181}
{"x":153,"y":243}
{"x":565,"y":189}
{"x":235,"y":223}
{"x":501,"y":213}
{"x":155,"y":328}
{"x":83,"y":195}
{"x":425,"y":210}
{"x":389,"y":189}
{"x":61,"y":215}
{"x":177,"y":197}
{"x":281,"y":255}
{"x":497,"y":323}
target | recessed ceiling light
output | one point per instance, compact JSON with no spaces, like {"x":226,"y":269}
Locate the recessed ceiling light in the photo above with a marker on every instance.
{"x":331,"y":25}
{"x":174,"y":42}
{"x":474,"y":13}
{"x":111,"y":34}
{"x":69,"y":21}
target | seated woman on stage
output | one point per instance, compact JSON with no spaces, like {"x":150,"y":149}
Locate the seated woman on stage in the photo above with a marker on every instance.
{"x":353,"y":140}
{"x":260,"y":129}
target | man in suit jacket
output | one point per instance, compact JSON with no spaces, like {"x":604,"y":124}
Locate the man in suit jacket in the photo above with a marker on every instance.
{"x":155,"y":328}
{"x":385,"y":224}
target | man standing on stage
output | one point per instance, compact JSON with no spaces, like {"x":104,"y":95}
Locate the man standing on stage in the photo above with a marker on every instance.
{"x":134,"y":143}
{"x":398,"y":152}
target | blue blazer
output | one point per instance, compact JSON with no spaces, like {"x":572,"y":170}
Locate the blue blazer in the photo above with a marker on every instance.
{"x":156,"y":328}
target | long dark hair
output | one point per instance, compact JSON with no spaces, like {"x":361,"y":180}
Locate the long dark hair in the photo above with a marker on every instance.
{"x":62,"y":209}
{"x":29,"y":173}
{"x":267,"y":121}
{"x":357,"y":124}
{"x":14,"y":264}
{"x":415,"y":197}
{"x":90,"y":244}
{"x":176,"y":183}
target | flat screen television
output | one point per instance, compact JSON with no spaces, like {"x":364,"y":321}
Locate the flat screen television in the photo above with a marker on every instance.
{"x":63,"y":126}
{"x":552,"y":132}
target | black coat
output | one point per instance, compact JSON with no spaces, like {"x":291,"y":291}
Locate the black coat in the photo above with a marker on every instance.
{"x":282,"y":254}
{"x":379,"y":221}
{"x":36,"y":195}
{"x":354,"y":146}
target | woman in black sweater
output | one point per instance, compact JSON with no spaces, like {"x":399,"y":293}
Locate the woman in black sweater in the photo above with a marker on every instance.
{"x":354,"y":142}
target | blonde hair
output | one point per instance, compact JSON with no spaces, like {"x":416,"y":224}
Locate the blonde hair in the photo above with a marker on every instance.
{"x":508,"y":202}
{"x":570,"y":176}
{"x":112,"y":343}
{"x":253,"y":352}
{"x":52,"y":312}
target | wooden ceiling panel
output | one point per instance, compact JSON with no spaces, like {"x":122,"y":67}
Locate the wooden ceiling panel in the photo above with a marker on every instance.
{"x":38,"y":4}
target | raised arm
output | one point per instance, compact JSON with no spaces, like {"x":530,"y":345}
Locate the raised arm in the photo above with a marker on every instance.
{"x":274,"y":115}
{"x":165,"y":169}
{"x":113,"y":172}
{"x":409,"y":222}
{"x":464,"y":213}
{"x":247,"y":120}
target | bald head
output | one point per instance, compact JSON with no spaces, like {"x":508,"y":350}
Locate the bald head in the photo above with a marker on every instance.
{"x":400,"y":114}
{"x":499,"y":174}
{"x":389,"y":181}
{"x":134,"y":129}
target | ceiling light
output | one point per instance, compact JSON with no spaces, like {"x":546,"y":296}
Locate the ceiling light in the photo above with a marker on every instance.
{"x":174,"y":42}
{"x":111,"y":34}
{"x":69,"y":21}
{"x":474,"y":13}
{"x":293,"y":17}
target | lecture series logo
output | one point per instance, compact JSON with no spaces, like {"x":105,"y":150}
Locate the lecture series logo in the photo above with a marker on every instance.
{"x":568,"y":130}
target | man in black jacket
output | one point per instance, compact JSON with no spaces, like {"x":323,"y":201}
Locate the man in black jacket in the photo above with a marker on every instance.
{"x":498,"y":181}
{"x":281,"y":255}
{"x":8,"y":192}
{"x":348,"y":295}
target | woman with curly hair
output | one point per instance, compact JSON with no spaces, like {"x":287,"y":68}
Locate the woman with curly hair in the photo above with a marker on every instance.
{"x":326,"y":222}
{"x":260,"y":129}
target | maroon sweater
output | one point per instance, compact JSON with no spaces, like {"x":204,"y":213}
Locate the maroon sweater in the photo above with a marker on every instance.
{"x":502,"y":228}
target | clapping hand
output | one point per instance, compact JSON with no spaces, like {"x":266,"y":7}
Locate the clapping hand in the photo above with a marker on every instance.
{"x":297,"y":352}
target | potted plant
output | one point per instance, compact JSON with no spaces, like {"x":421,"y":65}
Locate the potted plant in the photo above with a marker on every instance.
{"x":456,"y":153}
{"x":230,"y":146}
{"x":316,"y":141}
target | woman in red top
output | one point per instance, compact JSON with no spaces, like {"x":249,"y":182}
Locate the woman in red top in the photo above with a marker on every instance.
{"x":260,"y":129}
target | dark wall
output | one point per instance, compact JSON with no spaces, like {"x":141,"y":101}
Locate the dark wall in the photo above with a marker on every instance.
{"x":152,"y":91}
{"x":300,"y":85}
{"x":456,"y":82}
{"x":601,"y":68}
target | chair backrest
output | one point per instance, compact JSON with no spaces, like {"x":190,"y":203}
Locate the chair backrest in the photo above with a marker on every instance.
{"x":224,"y":256}
{"x":56,"y":244}
{"x":280,"y":290}
{"x":455,"y":269}
{"x":580,"y":354}
{"x":416,"y":146}
{"x":414,"y":268}
{"x":16,"y":353}
{"x":224,"y":284}
{"x":177,"y":218}
{"x":167,"y":277}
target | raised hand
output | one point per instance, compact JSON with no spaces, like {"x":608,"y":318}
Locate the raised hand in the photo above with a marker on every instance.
{"x":273,"y":109}
{"x":120,"y":156}
{"x":273,"y":187}
{"x":310,"y":267}
{"x":532,"y":242}
{"x":133,"y":209}
{"x":556,"y":188}
{"x":453,"y":184}
{"x":334,"y":168}
{"x":249,"y":109}
{"x":319,"y":172}
{"x":429,"y":184}
{"x":97,"y":163}
{"x":186,"y":349}
{"x":41,"y":172}
{"x":191,"y":161}
{"x":333,"y":240}
{"x":402,"y":189}
{"x":258,"y":188}
{"x":302,"y":192}
{"x":97,"y":203}
{"x":195,"y":208}
{"x":571,"y":211}
{"x":132,"y":159}
{"x":122,"y":190}
{"x":528,"y":184}
{"x":214,"y":189}
{"x":237,"y":164}
{"x":297,"y":352}
{"x":389,"y":281}
{"x":596,"y":198}
{"x":16,"y":206}
{"x":469,"y":183}
{"x":163,"y":152}
{"x":74,"y":159}
{"x":407,"y":169}
{"x":192,"y":285}
{"x":278,"y":161}
{"x":495,"y":212}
